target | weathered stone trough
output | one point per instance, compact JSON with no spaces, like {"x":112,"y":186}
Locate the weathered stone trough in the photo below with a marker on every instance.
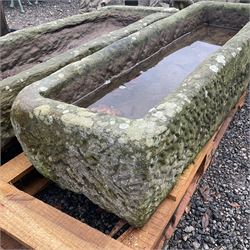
{"x":128,"y":165}
{"x":33,"y":53}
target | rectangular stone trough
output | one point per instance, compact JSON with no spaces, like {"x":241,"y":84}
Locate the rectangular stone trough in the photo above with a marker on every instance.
{"x":81,"y":128}
{"x":33,"y":53}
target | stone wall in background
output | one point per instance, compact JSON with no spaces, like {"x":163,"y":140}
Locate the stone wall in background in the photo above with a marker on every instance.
{"x":88,"y":5}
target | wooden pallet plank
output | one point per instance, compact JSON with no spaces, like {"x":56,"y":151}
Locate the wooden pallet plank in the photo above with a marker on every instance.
{"x":182,"y":206}
{"x":15,"y":169}
{"x":41,"y":226}
{"x":118,"y":226}
{"x":189,"y":173}
{"x":179,"y":212}
{"x":137,"y":238}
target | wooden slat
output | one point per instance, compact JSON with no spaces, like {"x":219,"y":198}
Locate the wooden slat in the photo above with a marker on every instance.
{"x":119,"y":225}
{"x":179,"y":212}
{"x":184,"y":181}
{"x":15,"y":169}
{"x":183,"y":204}
{"x":20,"y":167}
{"x":142,"y":238}
{"x":41,"y":226}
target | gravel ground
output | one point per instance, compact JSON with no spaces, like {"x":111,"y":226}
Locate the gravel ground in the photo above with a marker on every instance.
{"x":79,"y":207}
{"x":219,"y":210}
{"x":45,"y":11}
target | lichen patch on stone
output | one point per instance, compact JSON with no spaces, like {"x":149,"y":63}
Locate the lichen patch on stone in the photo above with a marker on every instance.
{"x":77,"y":120}
{"x":61,"y":75}
{"x":112,"y":122}
{"x":42,"y":111}
{"x":43,"y":89}
{"x":76,"y":52}
{"x":233,"y":54}
{"x":123,"y":126}
{"x":61,"y":106}
{"x":159,"y":115}
{"x":221,"y":59}
{"x":214,"y":68}
{"x":107,"y":82}
{"x":184,"y":97}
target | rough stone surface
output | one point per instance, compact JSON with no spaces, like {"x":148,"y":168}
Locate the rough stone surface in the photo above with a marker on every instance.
{"x":33,"y":53}
{"x":222,"y":195}
{"x":87,"y":5}
{"x":129,"y":166}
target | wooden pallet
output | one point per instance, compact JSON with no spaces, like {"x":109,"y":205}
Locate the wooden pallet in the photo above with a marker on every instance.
{"x":26,"y":222}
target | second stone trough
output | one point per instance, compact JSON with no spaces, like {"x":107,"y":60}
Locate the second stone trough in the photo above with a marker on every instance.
{"x":31,"y":54}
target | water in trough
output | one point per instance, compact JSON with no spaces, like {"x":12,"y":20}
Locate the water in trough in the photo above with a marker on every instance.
{"x":134,"y":92}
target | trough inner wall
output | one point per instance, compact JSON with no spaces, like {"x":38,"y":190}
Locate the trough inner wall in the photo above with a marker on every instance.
{"x":46,"y":46}
{"x":129,"y":55}
{"x":112,"y":62}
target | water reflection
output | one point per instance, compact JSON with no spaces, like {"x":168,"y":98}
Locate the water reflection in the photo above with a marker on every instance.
{"x":134,"y":93}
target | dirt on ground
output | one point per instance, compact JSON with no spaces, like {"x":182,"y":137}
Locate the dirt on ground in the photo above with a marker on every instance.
{"x":44,"y":11}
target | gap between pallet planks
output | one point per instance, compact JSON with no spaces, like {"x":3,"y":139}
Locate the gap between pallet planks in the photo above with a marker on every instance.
{"x":21,"y":213}
{"x":41,"y":226}
{"x":7,"y":242}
